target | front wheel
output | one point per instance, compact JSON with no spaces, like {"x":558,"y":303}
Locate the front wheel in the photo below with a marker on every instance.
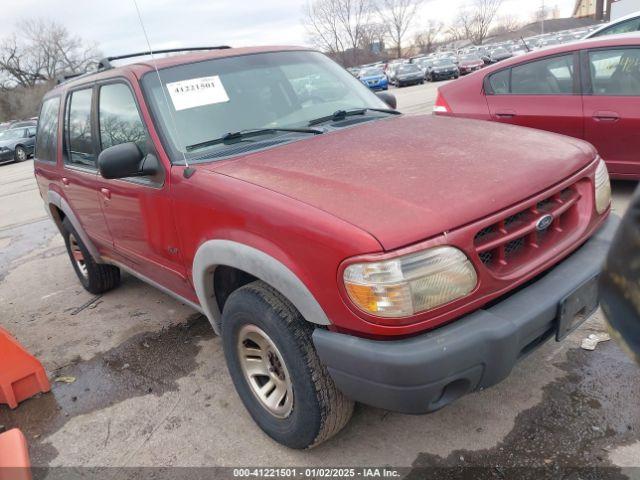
{"x":276,"y":370}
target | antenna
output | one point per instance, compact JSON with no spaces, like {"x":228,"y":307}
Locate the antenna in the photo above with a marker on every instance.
{"x":164,"y":94}
{"x":525,"y":44}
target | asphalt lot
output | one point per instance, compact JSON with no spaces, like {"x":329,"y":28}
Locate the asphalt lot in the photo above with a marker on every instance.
{"x":152,"y":388}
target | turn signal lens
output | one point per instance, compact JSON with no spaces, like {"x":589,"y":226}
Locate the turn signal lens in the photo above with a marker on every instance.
{"x":602,"y":188}
{"x":410,"y":284}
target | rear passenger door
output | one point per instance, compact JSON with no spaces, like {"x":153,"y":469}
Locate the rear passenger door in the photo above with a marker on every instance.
{"x":612,"y":107}
{"x":543,"y":94}
{"x":80,"y":172}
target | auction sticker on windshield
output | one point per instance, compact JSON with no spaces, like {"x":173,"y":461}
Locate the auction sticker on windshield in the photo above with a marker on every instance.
{"x":197,"y":92}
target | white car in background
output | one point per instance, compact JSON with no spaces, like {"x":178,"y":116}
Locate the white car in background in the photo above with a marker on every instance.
{"x":626,"y":24}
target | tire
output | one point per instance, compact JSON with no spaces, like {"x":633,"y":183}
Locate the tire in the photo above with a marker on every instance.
{"x":421,"y":82}
{"x":20,"y":154}
{"x":95,"y":277}
{"x":312,"y":410}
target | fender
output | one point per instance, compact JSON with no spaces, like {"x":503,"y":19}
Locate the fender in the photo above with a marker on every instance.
{"x":213,"y":253}
{"x":56,"y":199}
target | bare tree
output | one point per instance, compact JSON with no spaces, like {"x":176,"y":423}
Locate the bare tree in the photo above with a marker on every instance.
{"x":506,"y":24}
{"x":476,"y":21}
{"x":426,"y":39}
{"x":42,"y":51}
{"x":338,"y":25}
{"x":398,"y":16}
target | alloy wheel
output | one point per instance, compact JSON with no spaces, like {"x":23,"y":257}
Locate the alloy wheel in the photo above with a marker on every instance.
{"x":265,"y":371}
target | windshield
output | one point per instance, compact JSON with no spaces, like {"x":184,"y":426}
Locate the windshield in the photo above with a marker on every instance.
{"x":409,"y":68}
{"x":12,"y":134}
{"x":499,"y":51}
{"x":371,"y":72}
{"x":470,"y":58}
{"x":209,"y":99}
{"x":443,"y":62}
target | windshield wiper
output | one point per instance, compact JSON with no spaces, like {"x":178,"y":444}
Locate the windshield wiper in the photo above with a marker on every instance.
{"x":342,"y":114}
{"x":233,"y":137}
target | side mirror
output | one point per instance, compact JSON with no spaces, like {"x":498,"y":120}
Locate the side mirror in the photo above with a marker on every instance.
{"x":388,"y":98}
{"x":126,"y":160}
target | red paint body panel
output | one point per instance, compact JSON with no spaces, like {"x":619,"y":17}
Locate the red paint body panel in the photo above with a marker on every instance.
{"x":375,"y":190}
{"x":617,"y":141}
{"x":409,"y":184}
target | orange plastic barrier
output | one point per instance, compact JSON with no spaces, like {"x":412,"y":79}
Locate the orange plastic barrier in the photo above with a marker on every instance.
{"x":21,"y":374}
{"x":14,"y":456}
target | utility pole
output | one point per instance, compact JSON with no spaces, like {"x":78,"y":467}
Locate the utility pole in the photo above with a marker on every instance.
{"x":543,"y":13}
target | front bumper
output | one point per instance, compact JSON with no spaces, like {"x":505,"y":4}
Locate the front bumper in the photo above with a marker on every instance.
{"x":445,"y":75}
{"x":424,"y":373}
{"x":6,"y":155}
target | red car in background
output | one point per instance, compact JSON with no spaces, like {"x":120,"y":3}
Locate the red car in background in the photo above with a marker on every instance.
{"x":588,"y":89}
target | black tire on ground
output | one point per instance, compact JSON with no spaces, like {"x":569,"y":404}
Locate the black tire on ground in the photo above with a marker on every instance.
{"x":319,"y":409}
{"x":97,"y":277}
{"x":20,"y":154}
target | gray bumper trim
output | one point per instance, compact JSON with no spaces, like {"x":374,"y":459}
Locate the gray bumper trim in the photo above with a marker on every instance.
{"x":424,"y":373}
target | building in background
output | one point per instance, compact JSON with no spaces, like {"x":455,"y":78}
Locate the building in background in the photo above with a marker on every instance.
{"x":597,"y":9}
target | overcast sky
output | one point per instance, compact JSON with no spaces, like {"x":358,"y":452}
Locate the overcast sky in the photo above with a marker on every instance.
{"x":176,"y":23}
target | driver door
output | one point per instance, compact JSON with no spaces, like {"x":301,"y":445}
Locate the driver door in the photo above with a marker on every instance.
{"x":137,"y":210}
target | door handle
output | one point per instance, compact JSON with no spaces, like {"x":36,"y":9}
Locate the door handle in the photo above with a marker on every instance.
{"x":606,"y":116}
{"x":65,"y":181}
{"x":106,"y":193}
{"x":506,"y":114}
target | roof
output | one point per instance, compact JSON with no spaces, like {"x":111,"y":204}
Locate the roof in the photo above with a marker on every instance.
{"x":141,"y":67}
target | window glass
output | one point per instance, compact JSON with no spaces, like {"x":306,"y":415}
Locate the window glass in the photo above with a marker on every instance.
{"x":119,"y":119}
{"x":500,"y":82}
{"x":47,"y":139}
{"x":80,"y":148}
{"x":615,"y":72}
{"x":31,"y":131}
{"x":205,"y":100}
{"x":550,"y":76}
{"x":627,"y":26}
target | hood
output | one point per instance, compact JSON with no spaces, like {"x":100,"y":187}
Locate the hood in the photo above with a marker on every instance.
{"x":8,"y":143}
{"x":405,"y":179}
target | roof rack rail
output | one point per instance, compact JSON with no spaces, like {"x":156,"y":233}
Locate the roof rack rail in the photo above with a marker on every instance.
{"x":105,"y":63}
{"x":66,"y":76}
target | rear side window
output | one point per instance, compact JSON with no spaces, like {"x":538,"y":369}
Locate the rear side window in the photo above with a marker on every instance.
{"x":549,"y":76}
{"x":615,"y":72}
{"x":119,"y":118}
{"x":631,"y":25}
{"x":47,"y":139}
{"x":80,"y":149}
{"x":500,"y":82}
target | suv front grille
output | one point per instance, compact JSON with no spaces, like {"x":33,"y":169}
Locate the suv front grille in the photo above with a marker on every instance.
{"x":512,"y":241}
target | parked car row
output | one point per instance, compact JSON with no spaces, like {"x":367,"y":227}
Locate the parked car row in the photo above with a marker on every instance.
{"x":588,"y":89}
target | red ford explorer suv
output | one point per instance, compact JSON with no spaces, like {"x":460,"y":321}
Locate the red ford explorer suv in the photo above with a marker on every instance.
{"x":344,"y":252}
{"x":588,"y":89}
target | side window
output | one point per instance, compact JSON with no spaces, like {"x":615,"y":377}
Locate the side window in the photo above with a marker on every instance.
{"x":119,"y":119}
{"x":47,"y":138}
{"x":631,"y":25}
{"x":549,"y":76}
{"x":500,"y":82}
{"x":78,"y":130}
{"x":615,"y":72}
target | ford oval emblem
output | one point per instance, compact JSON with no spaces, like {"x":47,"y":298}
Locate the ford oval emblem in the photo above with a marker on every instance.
{"x":544,"y":222}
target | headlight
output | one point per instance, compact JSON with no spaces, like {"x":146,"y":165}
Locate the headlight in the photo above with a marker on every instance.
{"x":410,"y":284}
{"x":602,"y":188}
